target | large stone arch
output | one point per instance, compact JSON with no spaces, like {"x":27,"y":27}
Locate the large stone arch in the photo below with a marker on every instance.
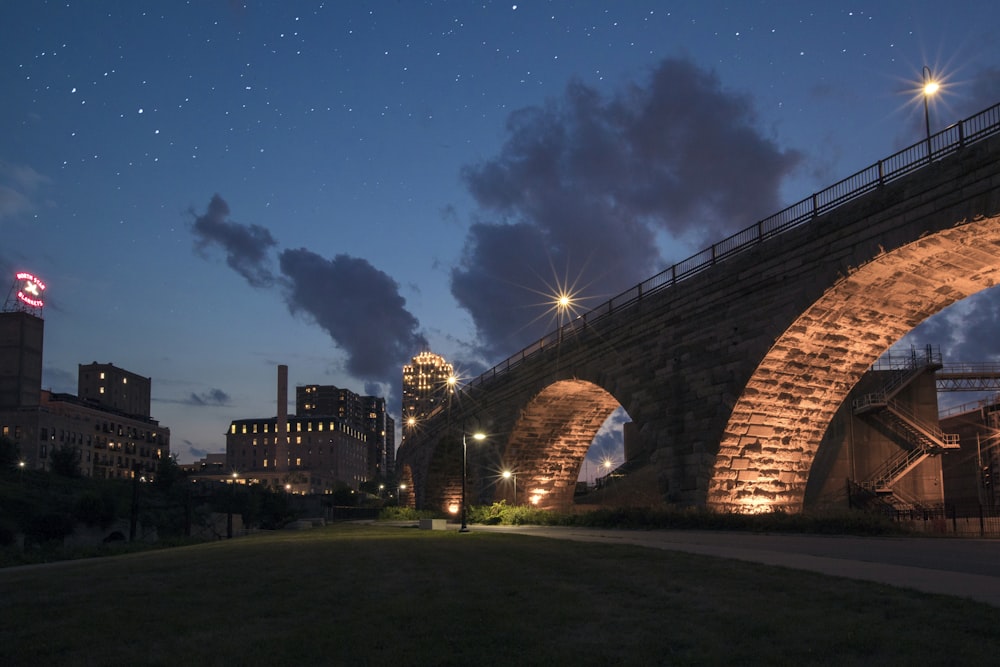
{"x":551,"y":437}
{"x":776,"y":425}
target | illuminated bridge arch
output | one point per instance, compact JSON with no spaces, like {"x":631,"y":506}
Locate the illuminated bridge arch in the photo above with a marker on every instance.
{"x":550,"y":440}
{"x":777,"y":424}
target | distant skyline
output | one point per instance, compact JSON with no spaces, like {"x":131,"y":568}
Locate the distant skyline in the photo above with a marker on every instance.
{"x":213,"y":188}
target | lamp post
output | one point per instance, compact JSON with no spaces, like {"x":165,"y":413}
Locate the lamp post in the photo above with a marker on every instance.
{"x":507,"y":474}
{"x":232,"y":500}
{"x":930,"y":88}
{"x":399,"y":494}
{"x":465,"y":458}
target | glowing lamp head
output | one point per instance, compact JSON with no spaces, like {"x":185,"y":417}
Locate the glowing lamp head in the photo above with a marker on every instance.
{"x":453,"y":509}
{"x":507,"y":474}
{"x":931,"y":87}
{"x":478,"y":436}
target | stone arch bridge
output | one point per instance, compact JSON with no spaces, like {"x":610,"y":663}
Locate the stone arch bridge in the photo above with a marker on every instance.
{"x":732,"y":363}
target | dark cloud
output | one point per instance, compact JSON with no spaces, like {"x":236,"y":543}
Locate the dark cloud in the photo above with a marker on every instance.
{"x":966,"y":332}
{"x":359,"y":306}
{"x":246,"y":246}
{"x":59,"y":380}
{"x":197,"y":452}
{"x":583,"y":185}
{"x":210,"y":398}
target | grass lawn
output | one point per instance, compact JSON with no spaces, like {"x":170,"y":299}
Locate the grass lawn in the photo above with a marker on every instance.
{"x":379,"y":595}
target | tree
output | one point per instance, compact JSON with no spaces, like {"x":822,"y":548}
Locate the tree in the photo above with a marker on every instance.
{"x":167,"y":472}
{"x":65,"y":460}
{"x":9,"y":454}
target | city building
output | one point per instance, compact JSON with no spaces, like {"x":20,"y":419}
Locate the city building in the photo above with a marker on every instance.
{"x":972,"y":477}
{"x":114,"y":388}
{"x":310,"y":453}
{"x":111,"y":441}
{"x":363,"y":413}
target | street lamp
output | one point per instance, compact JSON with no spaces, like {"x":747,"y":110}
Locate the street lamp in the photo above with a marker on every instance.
{"x":399,"y":494}
{"x":931,"y":86}
{"x":232,"y":500}
{"x":465,"y":457}
{"x":507,"y":474}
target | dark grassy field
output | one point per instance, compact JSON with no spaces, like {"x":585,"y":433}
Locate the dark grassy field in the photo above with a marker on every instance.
{"x":379,"y":595}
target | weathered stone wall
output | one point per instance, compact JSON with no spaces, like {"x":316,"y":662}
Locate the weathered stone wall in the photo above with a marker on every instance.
{"x":732,"y":376}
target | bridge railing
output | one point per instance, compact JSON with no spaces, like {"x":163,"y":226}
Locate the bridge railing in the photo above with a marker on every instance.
{"x":949,"y":140}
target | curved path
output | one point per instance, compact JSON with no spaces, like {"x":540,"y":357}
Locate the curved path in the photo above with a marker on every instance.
{"x":950,"y":566}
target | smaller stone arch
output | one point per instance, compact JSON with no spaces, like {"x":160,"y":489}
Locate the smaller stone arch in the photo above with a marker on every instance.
{"x":551,"y":437}
{"x":405,"y":490}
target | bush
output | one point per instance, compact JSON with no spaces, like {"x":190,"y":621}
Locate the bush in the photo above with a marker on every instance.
{"x":95,"y":509}
{"x":404,"y":514}
{"x":51,"y":527}
{"x":647,"y":518}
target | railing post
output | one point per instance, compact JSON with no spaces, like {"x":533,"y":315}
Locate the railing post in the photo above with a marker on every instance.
{"x":815,"y":208}
{"x":961,"y":134}
{"x":881,"y":173}
{"x":673,"y":275}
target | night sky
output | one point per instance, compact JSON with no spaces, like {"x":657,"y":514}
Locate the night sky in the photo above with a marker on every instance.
{"x":211,"y":188}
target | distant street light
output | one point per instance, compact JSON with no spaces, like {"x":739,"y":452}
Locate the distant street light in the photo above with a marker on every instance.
{"x":232,"y":501}
{"x":399,"y":494}
{"x":465,"y":457}
{"x":507,"y":474}
{"x":931,"y":87}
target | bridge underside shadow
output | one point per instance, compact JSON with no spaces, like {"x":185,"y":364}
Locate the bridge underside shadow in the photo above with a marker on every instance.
{"x":767,"y":449}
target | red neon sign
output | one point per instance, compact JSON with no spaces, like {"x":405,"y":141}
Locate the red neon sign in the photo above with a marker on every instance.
{"x":31,"y":290}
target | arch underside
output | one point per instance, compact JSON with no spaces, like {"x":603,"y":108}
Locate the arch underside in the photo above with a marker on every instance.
{"x":775,"y":428}
{"x":551,"y":439}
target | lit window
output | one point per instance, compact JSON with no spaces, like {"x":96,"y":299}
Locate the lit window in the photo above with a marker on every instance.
{"x":319,"y":426}
{"x":232,"y":429}
{"x":102,"y":375}
{"x":265,"y":463}
{"x":102,"y":390}
{"x":245,"y":429}
{"x":124,"y":380}
{"x":298,"y":462}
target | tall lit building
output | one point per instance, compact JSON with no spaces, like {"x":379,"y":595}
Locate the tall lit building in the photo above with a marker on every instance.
{"x":425,"y":385}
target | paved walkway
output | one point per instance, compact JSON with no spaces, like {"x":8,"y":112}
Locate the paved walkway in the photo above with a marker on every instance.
{"x":952,"y":566}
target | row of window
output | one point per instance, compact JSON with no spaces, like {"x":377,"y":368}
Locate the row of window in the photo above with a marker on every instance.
{"x":296,"y":427}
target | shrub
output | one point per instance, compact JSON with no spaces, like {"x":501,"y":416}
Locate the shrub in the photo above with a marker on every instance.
{"x":95,"y":509}
{"x":404,"y":514}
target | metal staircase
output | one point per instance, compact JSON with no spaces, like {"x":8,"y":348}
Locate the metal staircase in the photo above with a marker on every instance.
{"x":917,"y":438}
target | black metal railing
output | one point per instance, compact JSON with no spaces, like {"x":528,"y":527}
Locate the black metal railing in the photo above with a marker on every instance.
{"x":949,"y":140}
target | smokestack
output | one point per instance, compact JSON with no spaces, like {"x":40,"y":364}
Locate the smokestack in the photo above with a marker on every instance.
{"x":281,"y":437}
